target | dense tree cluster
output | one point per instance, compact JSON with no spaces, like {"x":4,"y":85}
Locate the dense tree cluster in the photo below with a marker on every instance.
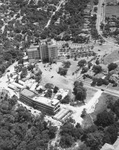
{"x":79,"y":91}
{"x":97,"y":69}
{"x":70,"y":20}
{"x":24,"y":21}
{"x":104,"y":130}
{"x":99,"y":82}
{"x":69,"y":134}
{"x":19,"y":130}
{"x":94,"y":32}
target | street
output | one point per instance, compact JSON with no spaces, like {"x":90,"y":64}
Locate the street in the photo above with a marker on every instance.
{"x":104,"y":89}
{"x":100,"y":15}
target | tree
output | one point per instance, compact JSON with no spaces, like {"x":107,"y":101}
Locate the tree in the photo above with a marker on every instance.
{"x":66,"y":99}
{"x":83,"y":113}
{"x":49,"y":86}
{"x":24,"y":72}
{"x":52,"y":131}
{"x":77,"y":83}
{"x":66,"y":64}
{"x":89,"y":65}
{"x":115,"y":108}
{"x":97,"y":62}
{"x":81,"y":63}
{"x":62,"y":71}
{"x":94,"y":140}
{"x":83,"y":147}
{"x":80,"y":93}
{"x":55,"y":89}
{"x":105,"y":119}
{"x":112,"y":66}
{"x":59,"y":97}
{"x":97,"y":69}
{"x":48,"y":93}
{"x":94,"y":82}
{"x":112,"y":133}
{"x":66,"y":141}
{"x":7,"y":56}
{"x":99,"y":81}
{"x":84,"y":69}
{"x":38,"y":78}
{"x":96,"y":2}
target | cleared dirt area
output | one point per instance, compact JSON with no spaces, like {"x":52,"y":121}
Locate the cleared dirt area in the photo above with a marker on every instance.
{"x":90,"y":94}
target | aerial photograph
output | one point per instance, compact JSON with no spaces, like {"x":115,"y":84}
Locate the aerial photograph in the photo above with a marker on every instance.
{"x":59,"y":74}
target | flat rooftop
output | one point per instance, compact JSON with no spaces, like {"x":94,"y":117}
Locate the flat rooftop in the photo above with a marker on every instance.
{"x":33,"y":48}
{"x":40,"y":99}
{"x":46,"y":101}
{"x":28,"y":93}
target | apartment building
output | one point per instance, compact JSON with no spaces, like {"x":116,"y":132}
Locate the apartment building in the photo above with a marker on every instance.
{"x":53,"y":52}
{"x":48,"y":51}
{"x":44,"y":51}
{"x":49,"y":106}
{"x":33,"y":52}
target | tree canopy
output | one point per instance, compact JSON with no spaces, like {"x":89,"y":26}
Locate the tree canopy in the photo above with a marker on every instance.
{"x":20,"y":130}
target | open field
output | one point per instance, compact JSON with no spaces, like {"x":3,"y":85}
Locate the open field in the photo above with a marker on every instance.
{"x":114,"y":56}
{"x":51,"y":76}
{"x":112,"y":10}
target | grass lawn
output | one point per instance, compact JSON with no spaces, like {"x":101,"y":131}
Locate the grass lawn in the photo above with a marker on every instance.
{"x":87,"y":80}
{"x":112,"y":10}
{"x":114,"y":56}
{"x":114,"y":88}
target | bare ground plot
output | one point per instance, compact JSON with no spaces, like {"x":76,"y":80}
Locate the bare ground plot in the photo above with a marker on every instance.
{"x":90,"y":94}
{"x":112,"y":10}
{"x":113,"y":57}
{"x":102,"y":104}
